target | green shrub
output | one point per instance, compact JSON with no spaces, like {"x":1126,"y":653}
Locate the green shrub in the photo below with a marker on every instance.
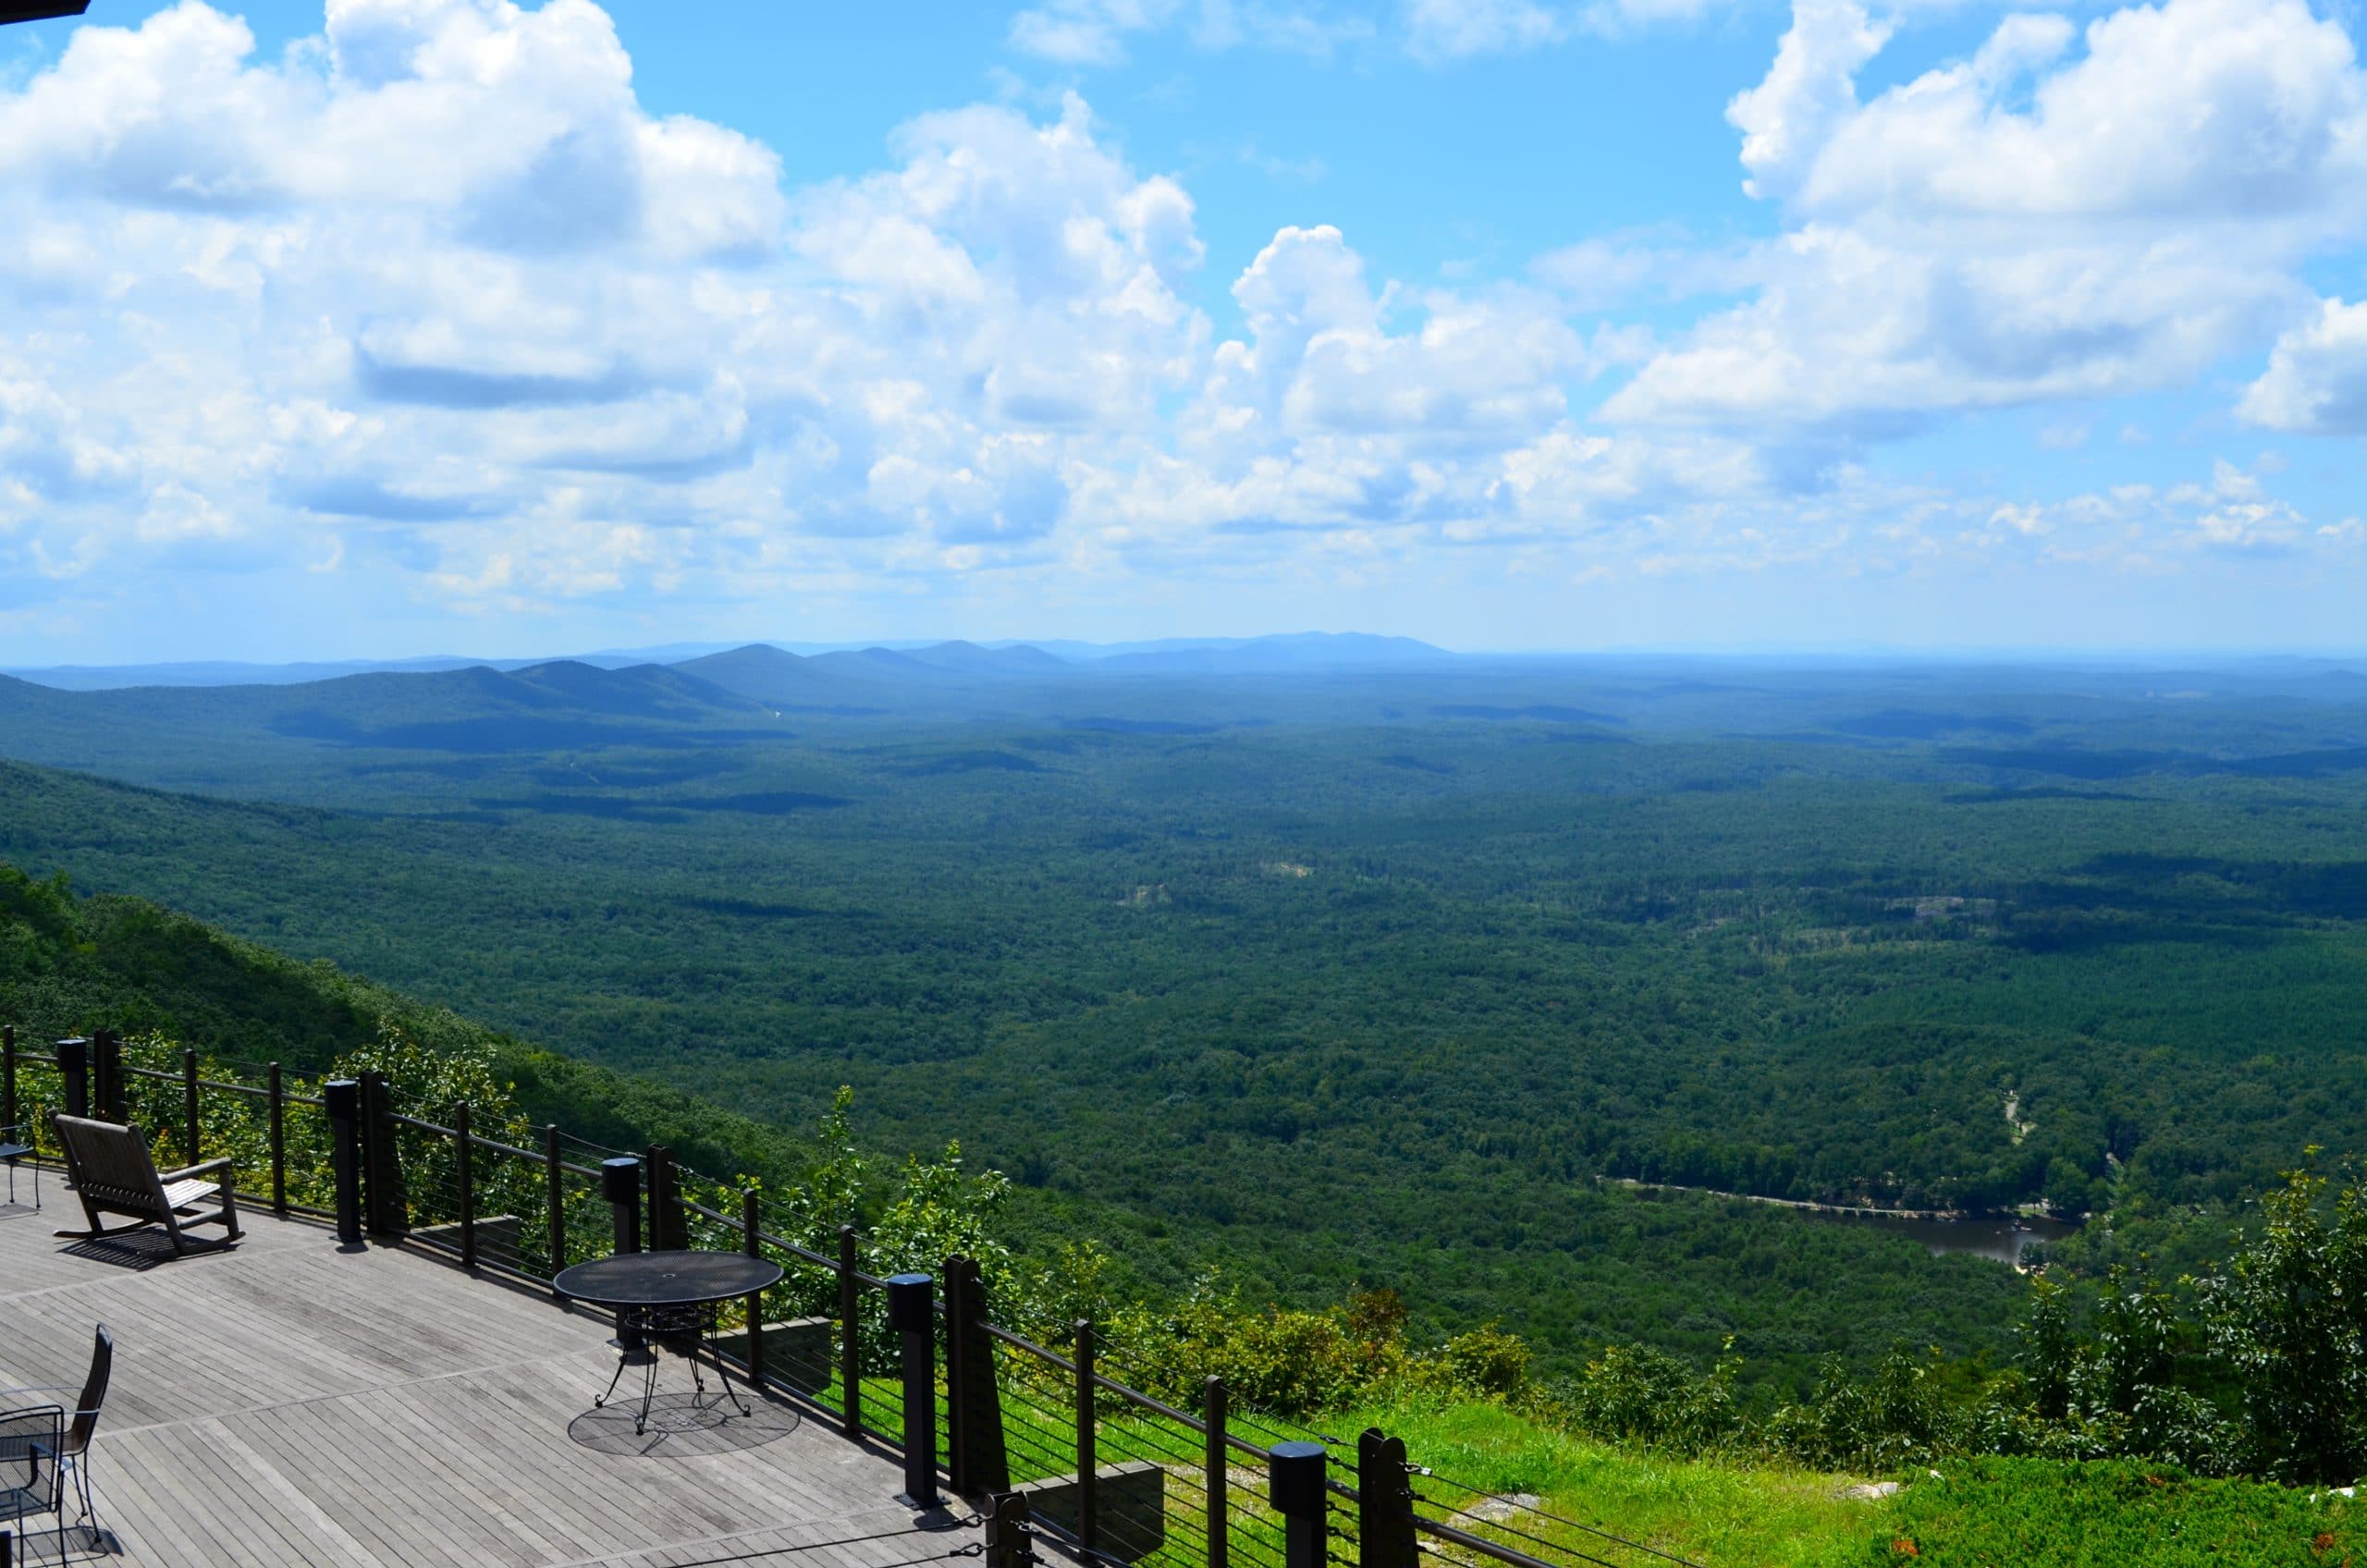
{"x":1994,"y":1512}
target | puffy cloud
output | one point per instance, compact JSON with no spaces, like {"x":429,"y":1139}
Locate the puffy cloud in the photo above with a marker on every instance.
{"x":2317,"y":380}
{"x":2233,"y":514}
{"x":1322,"y":361}
{"x":2032,"y":222}
{"x":435,"y":282}
{"x":432,"y":298}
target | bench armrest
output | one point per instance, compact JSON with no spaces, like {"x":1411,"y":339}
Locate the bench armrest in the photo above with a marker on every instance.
{"x":186,"y":1171}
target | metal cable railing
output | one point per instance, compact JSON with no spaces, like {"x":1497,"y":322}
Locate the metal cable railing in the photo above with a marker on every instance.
{"x":1119,"y":1476}
{"x":1519,"y":1524}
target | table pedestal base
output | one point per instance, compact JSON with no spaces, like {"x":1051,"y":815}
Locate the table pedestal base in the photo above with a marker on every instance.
{"x":640,"y":1334}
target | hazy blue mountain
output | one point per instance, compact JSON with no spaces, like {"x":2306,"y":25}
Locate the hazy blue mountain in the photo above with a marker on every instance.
{"x":477,"y":710}
{"x":971,"y":658}
{"x":1308,"y":650}
{"x":109,"y":677}
{"x":1297,"y":651}
{"x":789,"y":681}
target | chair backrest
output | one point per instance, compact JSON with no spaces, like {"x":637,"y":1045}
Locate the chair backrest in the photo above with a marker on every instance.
{"x":28,"y":1444}
{"x":94,"y":1391}
{"x":111,"y":1164}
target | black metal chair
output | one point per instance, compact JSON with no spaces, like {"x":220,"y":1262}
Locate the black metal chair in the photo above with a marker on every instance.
{"x":45,"y":1449}
{"x":13,"y":1148}
{"x":31,"y":1482}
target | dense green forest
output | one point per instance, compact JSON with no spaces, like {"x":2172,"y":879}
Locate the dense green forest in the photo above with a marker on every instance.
{"x":1349,"y":979}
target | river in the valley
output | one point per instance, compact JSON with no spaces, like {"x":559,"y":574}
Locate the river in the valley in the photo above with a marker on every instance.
{"x":2000,"y":1237}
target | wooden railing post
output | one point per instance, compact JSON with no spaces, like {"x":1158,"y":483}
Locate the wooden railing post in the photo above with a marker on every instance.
{"x":74,"y":1070}
{"x":912,"y":1314}
{"x":110,"y":1093}
{"x":850,"y":1337}
{"x":668,"y":1226}
{"x":751,"y":1238}
{"x":8,"y":1085}
{"x":276,"y":1103}
{"x":342,"y":1098}
{"x":1384,"y":1505}
{"x":957,"y":1308}
{"x":1295,"y":1483}
{"x":555,"y":1186}
{"x":1217,"y":1459}
{"x":978,"y":1461}
{"x":1088,"y":1525}
{"x":384,"y":1199}
{"x":465,"y":1178}
{"x":188,"y":1107}
{"x":653,"y":1165}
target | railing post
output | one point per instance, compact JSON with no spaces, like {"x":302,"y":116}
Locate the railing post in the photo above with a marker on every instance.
{"x":976,"y":1459}
{"x":620,"y":1184}
{"x":555,"y":1186}
{"x":1294,"y":1482}
{"x":957,"y":1446}
{"x":1006,"y":1536}
{"x":1088,"y":1468}
{"x":385,"y":1207}
{"x":8,"y":1083}
{"x":110,"y":1095}
{"x":1217,"y":1461}
{"x":752,"y":1239}
{"x":850,"y":1337}
{"x":189,"y":1106}
{"x":1384,"y":1503}
{"x":74,"y":1068}
{"x":668,"y":1226}
{"x":342,"y":1100}
{"x":911,"y":1311}
{"x":653,"y":1173}
{"x":465,"y":1178}
{"x":275,"y":1104}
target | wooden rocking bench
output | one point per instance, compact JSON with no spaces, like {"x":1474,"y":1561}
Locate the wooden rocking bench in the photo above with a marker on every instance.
{"x":113,"y":1173}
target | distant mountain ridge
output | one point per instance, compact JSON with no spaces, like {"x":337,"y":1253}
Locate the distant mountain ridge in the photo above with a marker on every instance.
{"x":1312,"y":650}
{"x":472,"y":710}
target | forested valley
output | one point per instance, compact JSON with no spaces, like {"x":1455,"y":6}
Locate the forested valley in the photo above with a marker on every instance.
{"x":1339,"y":978}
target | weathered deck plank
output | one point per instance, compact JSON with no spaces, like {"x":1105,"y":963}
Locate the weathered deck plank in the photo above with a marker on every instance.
{"x":289,"y":1403}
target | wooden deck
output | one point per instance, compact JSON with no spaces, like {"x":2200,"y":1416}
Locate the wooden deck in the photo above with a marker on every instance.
{"x":287,"y":1402}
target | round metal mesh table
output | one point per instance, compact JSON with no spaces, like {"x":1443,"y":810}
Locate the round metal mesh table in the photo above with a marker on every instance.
{"x":666,"y":1298}
{"x":651,"y":1281}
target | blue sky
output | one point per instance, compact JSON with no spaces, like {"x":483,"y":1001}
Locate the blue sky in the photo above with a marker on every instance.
{"x":413,"y":326}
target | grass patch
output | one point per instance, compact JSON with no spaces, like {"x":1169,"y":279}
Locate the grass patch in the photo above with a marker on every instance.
{"x":1733,"y":1513}
{"x":2037,"y":1512}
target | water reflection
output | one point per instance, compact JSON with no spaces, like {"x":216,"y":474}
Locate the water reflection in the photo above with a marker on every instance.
{"x":2001,"y":1238}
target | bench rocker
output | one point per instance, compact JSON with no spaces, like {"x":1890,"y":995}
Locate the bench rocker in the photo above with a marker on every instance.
{"x":113,"y":1173}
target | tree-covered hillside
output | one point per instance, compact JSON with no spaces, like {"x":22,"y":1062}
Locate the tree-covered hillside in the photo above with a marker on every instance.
{"x":1368,"y":980}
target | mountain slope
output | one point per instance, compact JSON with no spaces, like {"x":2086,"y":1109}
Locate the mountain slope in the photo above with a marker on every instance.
{"x":189,"y":734}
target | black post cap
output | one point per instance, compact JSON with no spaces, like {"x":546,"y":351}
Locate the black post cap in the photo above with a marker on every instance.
{"x":909,"y":1299}
{"x":620,"y":1179}
{"x":1294,"y":1473}
{"x":73,"y":1051}
{"x":341,"y":1097}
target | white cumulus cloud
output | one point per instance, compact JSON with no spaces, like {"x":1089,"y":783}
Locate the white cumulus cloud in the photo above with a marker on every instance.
{"x":2057,"y":215}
